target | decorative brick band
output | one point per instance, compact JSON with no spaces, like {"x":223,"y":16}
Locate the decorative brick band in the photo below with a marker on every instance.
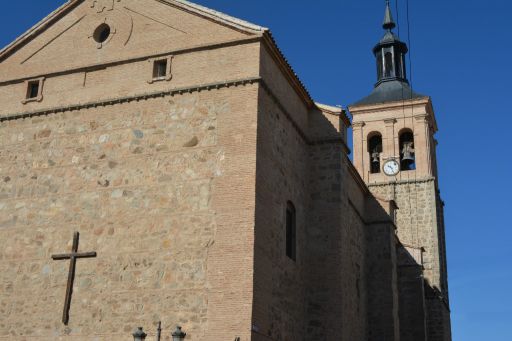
{"x":179,"y":91}
{"x":402,"y":182}
{"x":127,"y":99}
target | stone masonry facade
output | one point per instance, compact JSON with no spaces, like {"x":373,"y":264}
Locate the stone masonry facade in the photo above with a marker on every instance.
{"x":181,"y":183}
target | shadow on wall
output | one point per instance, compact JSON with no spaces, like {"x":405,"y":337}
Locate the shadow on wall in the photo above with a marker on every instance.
{"x":300,"y":164}
{"x":423,"y":311}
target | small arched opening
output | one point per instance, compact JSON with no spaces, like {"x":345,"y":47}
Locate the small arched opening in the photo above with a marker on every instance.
{"x":374,"y":151}
{"x":407,"y":153}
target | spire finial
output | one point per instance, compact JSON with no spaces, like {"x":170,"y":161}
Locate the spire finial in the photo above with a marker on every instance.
{"x":389,"y":23}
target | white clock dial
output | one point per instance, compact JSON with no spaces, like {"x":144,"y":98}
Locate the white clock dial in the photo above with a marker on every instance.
{"x":391,"y":167}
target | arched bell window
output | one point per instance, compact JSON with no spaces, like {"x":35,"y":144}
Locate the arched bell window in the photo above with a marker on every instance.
{"x":374,"y":151}
{"x":407,"y":153}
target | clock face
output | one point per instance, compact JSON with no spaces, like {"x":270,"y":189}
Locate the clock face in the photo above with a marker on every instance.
{"x":391,"y":167}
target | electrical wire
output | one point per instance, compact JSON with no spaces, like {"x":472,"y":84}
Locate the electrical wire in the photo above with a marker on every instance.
{"x":412,"y":105}
{"x":413,"y":222}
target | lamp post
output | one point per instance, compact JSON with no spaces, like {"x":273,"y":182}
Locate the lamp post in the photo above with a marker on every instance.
{"x":178,"y":334}
{"x":159,"y":331}
{"x":139,"y":335}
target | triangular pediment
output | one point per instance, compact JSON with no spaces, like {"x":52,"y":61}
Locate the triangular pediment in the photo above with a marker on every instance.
{"x":72,"y":36}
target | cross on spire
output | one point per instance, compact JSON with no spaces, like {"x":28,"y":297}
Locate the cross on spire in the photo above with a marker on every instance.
{"x":389,"y":22}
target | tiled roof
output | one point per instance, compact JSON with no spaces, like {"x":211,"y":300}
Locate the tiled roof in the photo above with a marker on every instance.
{"x":391,"y":91}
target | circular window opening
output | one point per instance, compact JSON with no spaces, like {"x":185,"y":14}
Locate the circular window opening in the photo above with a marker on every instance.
{"x":101,"y":33}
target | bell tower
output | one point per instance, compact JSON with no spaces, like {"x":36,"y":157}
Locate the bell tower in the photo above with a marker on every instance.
{"x":395,"y":154}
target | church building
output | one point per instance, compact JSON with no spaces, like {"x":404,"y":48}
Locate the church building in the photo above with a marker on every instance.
{"x":161,"y":164}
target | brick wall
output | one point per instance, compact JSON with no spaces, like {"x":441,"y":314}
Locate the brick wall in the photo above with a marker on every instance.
{"x":279,"y":281}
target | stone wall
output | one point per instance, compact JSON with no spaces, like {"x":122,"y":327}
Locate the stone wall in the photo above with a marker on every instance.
{"x":383,"y":319}
{"x":153,"y":187}
{"x":416,"y":219}
{"x":279,"y":281}
{"x":321,"y":295}
{"x":420,"y":224}
{"x":412,"y":309}
{"x":336,"y":296}
{"x":438,"y":322}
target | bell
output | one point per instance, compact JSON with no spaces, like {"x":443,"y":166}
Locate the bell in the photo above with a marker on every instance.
{"x":408,"y":156}
{"x":408,"y":152}
{"x":375,"y":157}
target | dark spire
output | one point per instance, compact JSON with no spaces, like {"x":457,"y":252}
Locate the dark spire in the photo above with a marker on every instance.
{"x":392,"y":84}
{"x":390,"y":52}
{"x":388,"y":23}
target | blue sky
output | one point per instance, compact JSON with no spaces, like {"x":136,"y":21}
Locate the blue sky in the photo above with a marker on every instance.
{"x":462,"y":57}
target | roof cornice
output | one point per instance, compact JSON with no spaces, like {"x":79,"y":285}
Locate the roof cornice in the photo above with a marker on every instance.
{"x":217,"y":16}
{"x":354,"y":109}
{"x":336,"y":111}
{"x":209,"y":14}
{"x":35,"y":30}
{"x":285,"y":66}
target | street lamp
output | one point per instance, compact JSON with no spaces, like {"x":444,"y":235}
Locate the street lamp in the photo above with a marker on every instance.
{"x":139,"y":335}
{"x":178,"y":334}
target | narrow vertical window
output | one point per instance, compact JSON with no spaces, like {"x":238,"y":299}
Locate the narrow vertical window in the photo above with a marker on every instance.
{"x":33,"y":89}
{"x":291,"y":231}
{"x":398,"y":65}
{"x":404,"y":69}
{"x":379,"y":65}
{"x":407,"y":153}
{"x":160,"y":69}
{"x":374,"y":150}
{"x":388,"y":60}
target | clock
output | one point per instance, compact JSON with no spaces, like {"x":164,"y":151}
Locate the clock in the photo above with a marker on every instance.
{"x":391,"y":167}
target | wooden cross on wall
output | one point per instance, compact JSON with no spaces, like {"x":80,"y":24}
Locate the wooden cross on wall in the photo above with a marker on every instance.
{"x":73,"y":256}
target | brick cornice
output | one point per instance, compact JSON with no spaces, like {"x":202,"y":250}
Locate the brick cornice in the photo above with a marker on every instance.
{"x":358,"y":125}
{"x":355,"y":110}
{"x":421,"y":117}
{"x":401,"y":182}
{"x":178,"y":91}
{"x":127,"y":99}
{"x":390,"y":121}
